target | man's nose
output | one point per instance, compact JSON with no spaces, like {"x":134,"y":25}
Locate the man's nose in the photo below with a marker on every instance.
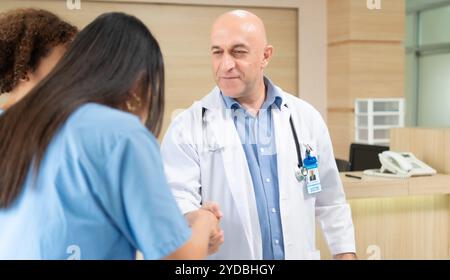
{"x":227,"y":62}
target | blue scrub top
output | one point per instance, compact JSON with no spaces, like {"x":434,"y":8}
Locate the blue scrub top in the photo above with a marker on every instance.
{"x":100,"y":193}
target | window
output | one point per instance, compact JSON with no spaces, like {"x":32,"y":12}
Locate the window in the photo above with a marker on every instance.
{"x":427,"y":63}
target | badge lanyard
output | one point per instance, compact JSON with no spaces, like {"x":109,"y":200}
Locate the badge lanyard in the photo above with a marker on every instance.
{"x":307,"y":169}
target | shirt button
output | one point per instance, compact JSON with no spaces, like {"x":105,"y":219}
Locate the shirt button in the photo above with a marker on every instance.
{"x":268,"y":180}
{"x":276,"y":241}
{"x":274,"y":210}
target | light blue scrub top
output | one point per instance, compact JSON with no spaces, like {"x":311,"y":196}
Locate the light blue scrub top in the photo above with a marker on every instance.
{"x":100,"y":193}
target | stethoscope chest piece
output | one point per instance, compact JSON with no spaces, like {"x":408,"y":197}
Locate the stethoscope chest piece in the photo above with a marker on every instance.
{"x":300,"y":173}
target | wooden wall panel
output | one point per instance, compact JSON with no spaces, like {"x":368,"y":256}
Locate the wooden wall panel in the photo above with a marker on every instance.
{"x":359,"y":70}
{"x":183,"y":32}
{"x":430,"y":145}
{"x":351,"y":20}
{"x":386,"y":24}
{"x":341,"y":125}
{"x":376,"y":70}
{"x":364,"y":70}
{"x":338,"y":82}
{"x":365,"y":59}
{"x":338,"y":20}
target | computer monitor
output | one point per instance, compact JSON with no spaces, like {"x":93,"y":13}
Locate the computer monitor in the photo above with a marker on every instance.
{"x":364,"y":156}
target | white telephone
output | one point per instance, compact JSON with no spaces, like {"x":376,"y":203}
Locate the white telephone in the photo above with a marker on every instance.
{"x":401,"y":165}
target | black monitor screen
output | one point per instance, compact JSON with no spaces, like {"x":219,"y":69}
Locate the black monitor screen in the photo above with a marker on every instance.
{"x":364,"y":156}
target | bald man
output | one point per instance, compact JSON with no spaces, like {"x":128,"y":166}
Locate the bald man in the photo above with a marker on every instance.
{"x":249,"y":146}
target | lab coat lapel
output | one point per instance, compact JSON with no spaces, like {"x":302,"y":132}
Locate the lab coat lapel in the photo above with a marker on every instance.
{"x":236,"y":169}
{"x":289,"y":188}
{"x":285,"y":150}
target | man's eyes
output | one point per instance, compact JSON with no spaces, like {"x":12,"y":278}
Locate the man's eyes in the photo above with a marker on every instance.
{"x":238,"y":52}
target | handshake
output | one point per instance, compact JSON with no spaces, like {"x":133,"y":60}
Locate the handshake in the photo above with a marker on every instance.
{"x":205,"y":225}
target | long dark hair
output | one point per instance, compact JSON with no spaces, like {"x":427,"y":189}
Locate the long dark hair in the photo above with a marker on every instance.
{"x":106,"y":60}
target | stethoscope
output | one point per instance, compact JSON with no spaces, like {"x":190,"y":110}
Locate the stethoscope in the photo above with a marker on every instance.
{"x":301,"y":172}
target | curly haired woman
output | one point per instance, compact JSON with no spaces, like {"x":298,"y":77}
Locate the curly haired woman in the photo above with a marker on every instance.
{"x":31,"y":43}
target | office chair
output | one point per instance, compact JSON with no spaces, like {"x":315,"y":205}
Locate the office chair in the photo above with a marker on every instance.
{"x":365,"y":156}
{"x":342,"y":165}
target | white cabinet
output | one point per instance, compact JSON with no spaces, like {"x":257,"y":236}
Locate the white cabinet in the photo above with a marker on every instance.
{"x":374,"y":117}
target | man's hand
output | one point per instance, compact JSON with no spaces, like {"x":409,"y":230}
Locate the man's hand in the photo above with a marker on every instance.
{"x":217,"y":235}
{"x":217,"y":238}
{"x":214,"y":208}
{"x":215,"y":241}
{"x":345,"y":256}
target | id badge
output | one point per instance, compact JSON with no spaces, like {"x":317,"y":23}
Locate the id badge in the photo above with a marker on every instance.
{"x":313,"y":181}
{"x":313,"y":178}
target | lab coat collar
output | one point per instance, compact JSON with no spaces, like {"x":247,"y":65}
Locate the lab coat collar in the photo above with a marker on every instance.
{"x":214,"y":99}
{"x":273,"y":97}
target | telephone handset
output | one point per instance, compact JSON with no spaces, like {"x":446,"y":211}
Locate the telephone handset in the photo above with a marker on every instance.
{"x":395,"y":164}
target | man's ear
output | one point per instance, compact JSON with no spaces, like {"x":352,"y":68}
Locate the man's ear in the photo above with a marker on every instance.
{"x":268,"y":51}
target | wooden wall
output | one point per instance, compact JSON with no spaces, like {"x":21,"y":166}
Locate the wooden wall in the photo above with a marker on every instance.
{"x":429,"y":145}
{"x":365,"y":60}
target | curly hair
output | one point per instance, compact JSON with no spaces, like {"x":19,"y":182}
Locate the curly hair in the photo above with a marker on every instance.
{"x":26,"y":36}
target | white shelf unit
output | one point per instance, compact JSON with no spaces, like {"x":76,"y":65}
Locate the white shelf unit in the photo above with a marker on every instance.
{"x":374,"y":117}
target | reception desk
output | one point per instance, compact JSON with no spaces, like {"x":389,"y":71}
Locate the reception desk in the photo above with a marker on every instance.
{"x":373,"y":186}
{"x":403,"y":218}
{"x":398,"y":218}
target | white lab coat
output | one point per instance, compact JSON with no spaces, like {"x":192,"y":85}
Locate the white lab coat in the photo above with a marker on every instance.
{"x":204,"y":161}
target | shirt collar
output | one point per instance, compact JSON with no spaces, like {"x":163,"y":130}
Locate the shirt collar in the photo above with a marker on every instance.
{"x":272,"y":97}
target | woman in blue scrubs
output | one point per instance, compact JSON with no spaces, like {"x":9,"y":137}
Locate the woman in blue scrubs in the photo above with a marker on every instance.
{"x":81,"y":176}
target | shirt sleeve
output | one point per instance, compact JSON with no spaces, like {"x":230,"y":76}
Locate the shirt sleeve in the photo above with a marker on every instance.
{"x":138,"y":199}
